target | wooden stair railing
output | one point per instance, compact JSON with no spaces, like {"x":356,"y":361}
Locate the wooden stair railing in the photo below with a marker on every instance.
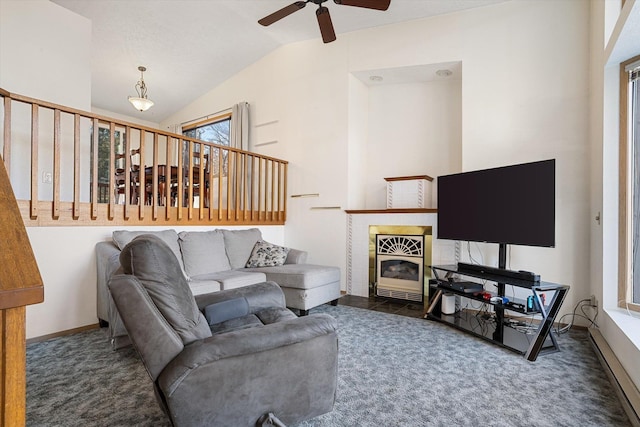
{"x":20,"y":285}
{"x":241,"y":187}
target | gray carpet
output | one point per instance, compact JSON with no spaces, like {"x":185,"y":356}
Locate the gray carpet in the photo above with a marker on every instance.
{"x":393,"y":371}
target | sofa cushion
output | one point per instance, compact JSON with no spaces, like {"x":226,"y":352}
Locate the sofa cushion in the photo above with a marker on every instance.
{"x":239,"y":244}
{"x":233,"y":278}
{"x":300,"y":276}
{"x":122,"y":238}
{"x":205,"y":286}
{"x":153,"y":263}
{"x":203,"y":252}
{"x":267,"y":254}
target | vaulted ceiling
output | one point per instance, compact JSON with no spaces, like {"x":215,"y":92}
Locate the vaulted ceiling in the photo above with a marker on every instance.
{"x":191,"y":46}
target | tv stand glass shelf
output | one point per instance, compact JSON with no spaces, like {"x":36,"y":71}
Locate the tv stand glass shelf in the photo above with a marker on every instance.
{"x":520,"y":333}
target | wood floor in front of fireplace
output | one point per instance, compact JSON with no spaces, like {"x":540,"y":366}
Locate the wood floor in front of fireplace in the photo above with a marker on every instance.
{"x":403,"y":308}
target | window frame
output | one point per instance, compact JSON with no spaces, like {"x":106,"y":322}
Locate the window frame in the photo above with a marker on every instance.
{"x":625,"y":232}
{"x":208,"y":121}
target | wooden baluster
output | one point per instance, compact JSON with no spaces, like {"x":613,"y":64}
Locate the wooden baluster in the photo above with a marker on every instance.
{"x":237,"y":189}
{"x":252,"y":189}
{"x":273,"y":190}
{"x":210,"y":183}
{"x":76,"y":166}
{"x":279,"y":191}
{"x":220,"y":177}
{"x":33,"y":203}
{"x":190,"y":180}
{"x":230,"y":174}
{"x":245,"y":186}
{"x":201,"y":184}
{"x":180,"y":188}
{"x":284,"y":198}
{"x":6,"y":150}
{"x":56,"y":165}
{"x":94,"y":170}
{"x":168,"y":177}
{"x":127,"y":174}
{"x":112,"y":170}
{"x":260,"y":184}
{"x":141,"y":178}
{"x":154,"y":179}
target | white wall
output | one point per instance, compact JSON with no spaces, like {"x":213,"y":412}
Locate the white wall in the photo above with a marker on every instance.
{"x":521,"y":100}
{"x":414,"y":129}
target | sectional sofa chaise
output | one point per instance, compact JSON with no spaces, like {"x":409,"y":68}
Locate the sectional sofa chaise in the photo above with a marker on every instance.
{"x":221,"y":259}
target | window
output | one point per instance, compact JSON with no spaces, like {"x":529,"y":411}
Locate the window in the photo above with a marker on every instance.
{"x":629,"y":268}
{"x":216,"y":130}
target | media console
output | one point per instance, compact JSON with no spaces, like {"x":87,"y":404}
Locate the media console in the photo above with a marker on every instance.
{"x":509,"y":332}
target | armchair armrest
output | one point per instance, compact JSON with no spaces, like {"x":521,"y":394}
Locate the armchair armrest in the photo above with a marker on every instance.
{"x":259,"y":296}
{"x":201,"y":354}
{"x":296,"y":256}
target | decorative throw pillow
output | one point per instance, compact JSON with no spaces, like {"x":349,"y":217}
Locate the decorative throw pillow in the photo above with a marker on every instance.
{"x":267,"y":254}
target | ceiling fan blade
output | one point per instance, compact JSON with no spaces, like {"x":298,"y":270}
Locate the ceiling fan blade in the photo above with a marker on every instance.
{"x":369,"y":4}
{"x":279,"y":14}
{"x":326,"y":26}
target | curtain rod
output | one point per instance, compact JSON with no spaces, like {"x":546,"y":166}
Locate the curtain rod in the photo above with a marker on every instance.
{"x":226,"y":110}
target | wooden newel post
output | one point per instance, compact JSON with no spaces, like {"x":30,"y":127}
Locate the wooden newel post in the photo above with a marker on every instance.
{"x":20,"y":285}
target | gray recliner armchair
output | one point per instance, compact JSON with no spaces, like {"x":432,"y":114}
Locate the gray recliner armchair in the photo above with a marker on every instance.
{"x":248,"y":357}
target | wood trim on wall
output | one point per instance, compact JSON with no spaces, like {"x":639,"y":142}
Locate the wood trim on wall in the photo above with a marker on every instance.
{"x":624,"y":219}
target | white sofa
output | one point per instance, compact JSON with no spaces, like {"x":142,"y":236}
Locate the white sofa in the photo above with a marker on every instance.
{"x":215,"y":260}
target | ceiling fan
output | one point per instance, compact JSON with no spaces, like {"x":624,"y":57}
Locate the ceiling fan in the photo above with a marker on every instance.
{"x":324,"y":19}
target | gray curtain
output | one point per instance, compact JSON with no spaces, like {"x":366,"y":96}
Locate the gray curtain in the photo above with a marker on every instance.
{"x":239,"y":135}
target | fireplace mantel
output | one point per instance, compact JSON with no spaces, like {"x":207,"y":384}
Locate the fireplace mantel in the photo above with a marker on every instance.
{"x":391,"y":211}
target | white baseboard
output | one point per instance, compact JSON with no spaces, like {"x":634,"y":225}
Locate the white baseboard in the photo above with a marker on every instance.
{"x":626,"y":389}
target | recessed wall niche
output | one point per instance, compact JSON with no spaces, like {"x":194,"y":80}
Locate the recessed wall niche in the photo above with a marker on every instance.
{"x":402,"y":121}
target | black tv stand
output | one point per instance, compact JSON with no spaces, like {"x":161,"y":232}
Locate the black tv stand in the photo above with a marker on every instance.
{"x":501,"y":329}
{"x":522,"y":275}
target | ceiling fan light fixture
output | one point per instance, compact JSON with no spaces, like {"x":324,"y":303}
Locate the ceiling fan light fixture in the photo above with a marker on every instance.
{"x":324,"y":18}
{"x":141,"y":102}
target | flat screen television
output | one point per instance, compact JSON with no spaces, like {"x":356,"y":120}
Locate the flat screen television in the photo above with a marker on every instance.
{"x":506,"y":205}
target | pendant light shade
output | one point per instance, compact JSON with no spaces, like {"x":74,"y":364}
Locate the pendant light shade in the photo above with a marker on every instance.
{"x":141,"y":102}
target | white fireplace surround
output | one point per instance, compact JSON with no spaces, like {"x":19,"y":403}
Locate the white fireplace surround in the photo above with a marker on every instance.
{"x":357,"y":274}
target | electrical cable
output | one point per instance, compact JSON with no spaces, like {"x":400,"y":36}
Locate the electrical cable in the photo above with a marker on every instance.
{"x":573,"y":315}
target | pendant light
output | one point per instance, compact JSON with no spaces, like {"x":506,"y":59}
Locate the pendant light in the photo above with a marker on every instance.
{"x":141,"y":102}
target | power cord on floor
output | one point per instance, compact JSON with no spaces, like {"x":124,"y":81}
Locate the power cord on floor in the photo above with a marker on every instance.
{"x":581,"y":304}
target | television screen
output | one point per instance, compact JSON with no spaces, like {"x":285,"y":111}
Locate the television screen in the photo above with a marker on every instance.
{"x":511,"y":205}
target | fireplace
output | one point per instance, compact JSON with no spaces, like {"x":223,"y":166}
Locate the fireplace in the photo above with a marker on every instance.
{"x":401,"y":256}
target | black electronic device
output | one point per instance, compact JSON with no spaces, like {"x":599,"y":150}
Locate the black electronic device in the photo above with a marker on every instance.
{"x":464,"y":287}
{"x":506,"y":205}
{"x":521,"y":274}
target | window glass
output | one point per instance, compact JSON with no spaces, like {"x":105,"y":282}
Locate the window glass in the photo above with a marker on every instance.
{"x":216,"y":132}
